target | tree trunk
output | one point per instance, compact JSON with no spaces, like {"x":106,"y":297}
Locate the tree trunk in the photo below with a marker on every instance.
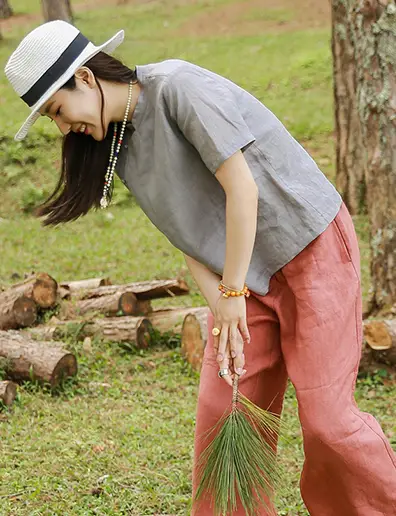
{"x":374,"y":26}
{"x":364,"y":42}
{"x":8,"y":391}
{"x":57,"y":10}
{"x":28,"y":359}
{"x":195,"y":337}
{"x":350,"y":163}
{"x":5,"y":10}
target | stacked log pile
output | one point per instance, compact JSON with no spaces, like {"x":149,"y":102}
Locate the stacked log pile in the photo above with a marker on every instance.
{"x":116,"y":313}
{"x":111,"y":312}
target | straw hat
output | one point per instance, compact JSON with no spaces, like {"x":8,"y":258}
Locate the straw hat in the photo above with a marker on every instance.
{"x":46,"y":59}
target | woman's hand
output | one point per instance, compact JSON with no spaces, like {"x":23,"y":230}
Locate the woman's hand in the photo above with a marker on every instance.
{"x":230,"y":318}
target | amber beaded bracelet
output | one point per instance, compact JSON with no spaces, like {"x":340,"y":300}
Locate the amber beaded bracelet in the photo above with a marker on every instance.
{"x":230,"y":292}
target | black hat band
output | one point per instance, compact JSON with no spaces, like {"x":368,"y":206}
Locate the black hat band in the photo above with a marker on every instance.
{"x":56,"y":70}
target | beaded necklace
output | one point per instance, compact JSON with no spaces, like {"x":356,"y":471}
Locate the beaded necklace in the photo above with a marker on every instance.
{"x":114,"y":151}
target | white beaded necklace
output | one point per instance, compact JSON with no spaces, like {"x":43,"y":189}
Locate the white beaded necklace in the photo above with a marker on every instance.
{"x":105,"y":200}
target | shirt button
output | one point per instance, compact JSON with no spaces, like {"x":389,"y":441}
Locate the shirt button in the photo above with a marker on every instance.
{"x":125,"y":145}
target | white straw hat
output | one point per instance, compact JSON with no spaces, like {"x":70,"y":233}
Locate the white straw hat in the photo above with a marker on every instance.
{"x":46,"y":59}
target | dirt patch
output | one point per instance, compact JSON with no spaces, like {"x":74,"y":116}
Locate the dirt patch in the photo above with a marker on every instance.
{"x":251,"y":17}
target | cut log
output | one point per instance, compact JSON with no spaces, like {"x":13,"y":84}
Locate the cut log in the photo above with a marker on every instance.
{"x":195,"y":337}
{"x":86,"y":284}
{"x":120,"y":329}
{"x":29,"y":359}
{"x":8,"y":391}
{"x":41,"y":287}
{"x":162,"y":320}
{"x":124,"y":303}
{"x":17,"y":313}
{"x":144,"y":290}
{"x":172,"y":319}
{"x":380,"y":337}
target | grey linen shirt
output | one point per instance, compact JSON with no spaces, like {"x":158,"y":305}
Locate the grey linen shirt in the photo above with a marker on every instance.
{"x":186,"y":123}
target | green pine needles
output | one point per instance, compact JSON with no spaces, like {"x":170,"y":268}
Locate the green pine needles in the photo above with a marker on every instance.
{"x":241,"y":458}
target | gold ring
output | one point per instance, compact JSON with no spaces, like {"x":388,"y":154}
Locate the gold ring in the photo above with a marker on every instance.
{"x":215,"y":332}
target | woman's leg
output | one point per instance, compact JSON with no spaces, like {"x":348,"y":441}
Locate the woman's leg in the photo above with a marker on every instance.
{"x":350,"y":468}
{"x":264,"y":383}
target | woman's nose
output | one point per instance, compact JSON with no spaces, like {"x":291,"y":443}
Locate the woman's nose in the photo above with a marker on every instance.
{"x":63,"y":127}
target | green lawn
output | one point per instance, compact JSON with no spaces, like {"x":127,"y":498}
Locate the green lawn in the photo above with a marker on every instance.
{"x":118,"y":438}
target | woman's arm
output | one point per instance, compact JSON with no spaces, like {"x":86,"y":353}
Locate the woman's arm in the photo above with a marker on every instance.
{"x":206,"y":280}
{"x":241,"y":218}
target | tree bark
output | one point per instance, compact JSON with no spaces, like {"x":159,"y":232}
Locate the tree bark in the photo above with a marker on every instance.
{"x":28,"y":359}
{"x":86,"y":284}
{"x":350,"y":163}
{"x":57,"y":10}
{"x":364,"y":42}
{"x":5,"y":9}
{"x":8,"y":391}
{"x":195,"y":337}
{"x":374,"y":26}
{"x":120,"y":329}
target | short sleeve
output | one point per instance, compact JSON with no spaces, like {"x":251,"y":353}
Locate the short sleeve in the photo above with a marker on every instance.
{"x":207,"y":114}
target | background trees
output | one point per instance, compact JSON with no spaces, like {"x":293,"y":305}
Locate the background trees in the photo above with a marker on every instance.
{"x":364,"y":43}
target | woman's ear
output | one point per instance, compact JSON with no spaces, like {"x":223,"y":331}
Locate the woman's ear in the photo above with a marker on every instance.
{"x":85,"y":75}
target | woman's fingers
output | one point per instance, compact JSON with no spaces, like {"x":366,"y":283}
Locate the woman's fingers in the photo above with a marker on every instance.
{"x":243,"y":328}
{"x":226,"y":363}
{"x":228,"y":350}
{"x":223,"y":340}
{"x":237,"y":353}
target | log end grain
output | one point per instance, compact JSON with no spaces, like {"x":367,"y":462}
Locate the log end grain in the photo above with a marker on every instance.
{"x":377,"y":335}
{"x":24,"y":312}
{"x":194,"y":338}
{"x":143,"y":333}
{"x":128,"y":303}
{"x":67,"y":366}
{"x":8,"y":391}
{"x":45,"y":290}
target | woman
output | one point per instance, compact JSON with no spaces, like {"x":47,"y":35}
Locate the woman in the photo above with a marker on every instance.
{"x":222,"y":178}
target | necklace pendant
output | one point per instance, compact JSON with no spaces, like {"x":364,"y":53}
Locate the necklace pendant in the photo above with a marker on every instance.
{"x":104,"y":203}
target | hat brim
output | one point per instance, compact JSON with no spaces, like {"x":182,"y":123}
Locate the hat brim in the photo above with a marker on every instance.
{"x":89,"y":51}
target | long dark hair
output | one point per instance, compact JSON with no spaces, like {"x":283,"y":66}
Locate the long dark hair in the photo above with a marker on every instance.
{"x":84,"y":160}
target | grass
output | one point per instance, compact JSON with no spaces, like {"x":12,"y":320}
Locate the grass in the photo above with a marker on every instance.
{"x":118,"y":438}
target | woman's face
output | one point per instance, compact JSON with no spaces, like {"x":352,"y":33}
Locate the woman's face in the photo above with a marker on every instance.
{"x":77,"y":110}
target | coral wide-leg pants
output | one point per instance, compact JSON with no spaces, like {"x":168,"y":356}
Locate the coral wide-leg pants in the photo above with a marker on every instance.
{"x":309,"y":328}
